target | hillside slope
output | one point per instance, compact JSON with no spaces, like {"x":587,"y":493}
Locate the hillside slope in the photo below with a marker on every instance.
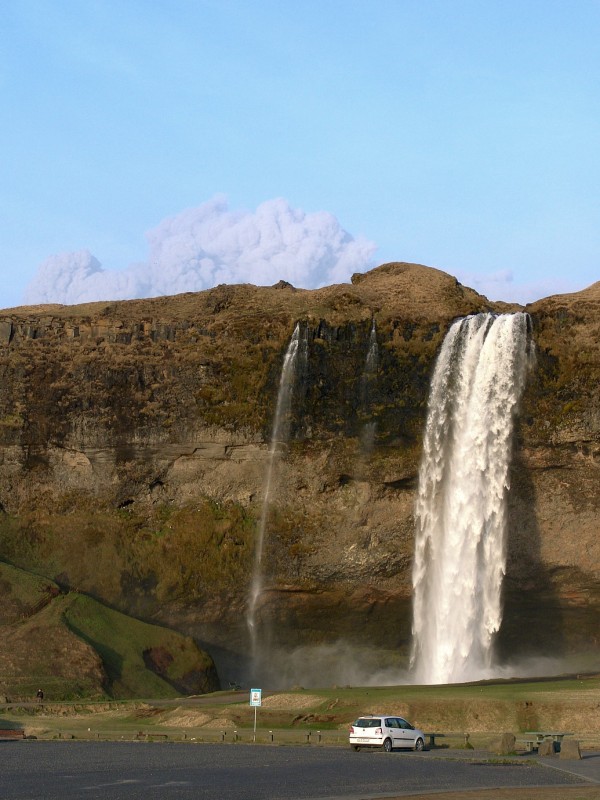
{"x":73,"y":646}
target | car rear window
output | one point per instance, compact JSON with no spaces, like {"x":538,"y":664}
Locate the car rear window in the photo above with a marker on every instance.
{"x":368,"y":723}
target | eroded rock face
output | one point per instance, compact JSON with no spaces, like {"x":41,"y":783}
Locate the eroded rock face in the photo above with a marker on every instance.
{"x":552,"y":586}
{"x":134,"y":438}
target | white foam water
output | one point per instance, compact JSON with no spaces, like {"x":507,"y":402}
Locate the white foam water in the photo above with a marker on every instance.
{"x":372,"y":360}
{"x":460,"y":543}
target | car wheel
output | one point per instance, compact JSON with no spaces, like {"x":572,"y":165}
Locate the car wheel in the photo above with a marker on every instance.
{"x":419,"y":744}
{"x":387,"y":745}
{"x":355,"y":747}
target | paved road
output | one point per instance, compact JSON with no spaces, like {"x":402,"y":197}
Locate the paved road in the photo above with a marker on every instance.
{"x":588,"y":768}
{"x":54,"y":770}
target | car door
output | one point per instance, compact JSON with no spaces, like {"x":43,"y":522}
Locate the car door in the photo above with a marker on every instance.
{"x":406,"y":733}
{"x":393,"y":730}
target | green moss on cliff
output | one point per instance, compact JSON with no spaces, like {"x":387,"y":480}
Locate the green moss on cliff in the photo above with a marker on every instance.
{"x":175,"y":554}
{"x":193,"y":551}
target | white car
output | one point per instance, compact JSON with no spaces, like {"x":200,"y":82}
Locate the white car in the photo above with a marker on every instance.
{"x":383,"y":730}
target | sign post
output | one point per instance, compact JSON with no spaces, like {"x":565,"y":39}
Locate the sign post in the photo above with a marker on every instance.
{"x":256,"y":701}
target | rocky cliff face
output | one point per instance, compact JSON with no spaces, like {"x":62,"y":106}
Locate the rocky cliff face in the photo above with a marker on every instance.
{"x":134,"y":438}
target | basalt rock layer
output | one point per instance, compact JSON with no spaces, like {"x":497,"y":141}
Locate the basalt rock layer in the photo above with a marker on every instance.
{"x":134,"y":438}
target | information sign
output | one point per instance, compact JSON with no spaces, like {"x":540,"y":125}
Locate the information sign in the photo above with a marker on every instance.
{"x":255,"y":697}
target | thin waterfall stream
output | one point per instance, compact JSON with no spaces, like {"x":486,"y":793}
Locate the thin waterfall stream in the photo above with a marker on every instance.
{"x":366,"y":389}
{"x":279,"y":437}
{"x":461,"y":508}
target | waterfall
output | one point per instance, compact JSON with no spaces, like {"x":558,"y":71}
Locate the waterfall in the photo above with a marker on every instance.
{"x":460,"y":543}
{"x":372,"y":360}
{"x":279,"y":437}
{"x":368,"y":376}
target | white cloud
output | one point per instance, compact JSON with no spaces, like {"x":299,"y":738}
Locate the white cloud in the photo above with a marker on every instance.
{"x":501,"y":285}
{"x":202,"y":247}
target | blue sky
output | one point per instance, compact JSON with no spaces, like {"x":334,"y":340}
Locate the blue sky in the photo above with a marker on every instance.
{"x":463,"y":135}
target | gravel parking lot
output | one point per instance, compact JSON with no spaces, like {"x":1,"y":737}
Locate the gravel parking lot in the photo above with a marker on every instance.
{"x":56,"y":770}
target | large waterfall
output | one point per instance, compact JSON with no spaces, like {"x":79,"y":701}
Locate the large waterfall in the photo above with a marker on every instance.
{"x":279,"y":437}
{"x":460,"y":547}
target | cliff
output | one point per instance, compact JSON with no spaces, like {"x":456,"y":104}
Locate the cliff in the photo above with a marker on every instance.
{"x":134,"y":438}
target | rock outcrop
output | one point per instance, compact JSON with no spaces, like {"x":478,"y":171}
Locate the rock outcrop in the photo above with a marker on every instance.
{"x":134,"y":438}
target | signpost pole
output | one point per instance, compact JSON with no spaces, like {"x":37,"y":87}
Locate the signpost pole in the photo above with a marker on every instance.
{"x":256,"y":701}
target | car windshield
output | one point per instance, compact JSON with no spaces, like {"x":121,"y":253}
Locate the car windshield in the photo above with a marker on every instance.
{"x":368,"y":723}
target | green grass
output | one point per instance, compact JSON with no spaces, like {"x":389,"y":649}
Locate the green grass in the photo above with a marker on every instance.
{"x":489,"y":707}
{"x":121,"y":642}
{"x":74,"y":646}
{"x":490,"y":690}
{"x":452,"y":710}
{"x":22,"y":591}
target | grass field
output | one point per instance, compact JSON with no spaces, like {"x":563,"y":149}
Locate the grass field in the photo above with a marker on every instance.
{"x":483,"y":711}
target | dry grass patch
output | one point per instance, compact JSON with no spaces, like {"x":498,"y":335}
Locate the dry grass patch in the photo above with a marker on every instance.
{"x":292,"y":702}
{"x":185,"y":718}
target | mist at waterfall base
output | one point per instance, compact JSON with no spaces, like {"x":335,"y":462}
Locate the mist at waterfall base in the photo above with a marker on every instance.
{"x":461,"y":508}
{"x":345,"y":663}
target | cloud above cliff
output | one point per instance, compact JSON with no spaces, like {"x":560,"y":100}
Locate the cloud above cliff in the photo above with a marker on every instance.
{"x":202,"y":247}
{"x":501,"y":285}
